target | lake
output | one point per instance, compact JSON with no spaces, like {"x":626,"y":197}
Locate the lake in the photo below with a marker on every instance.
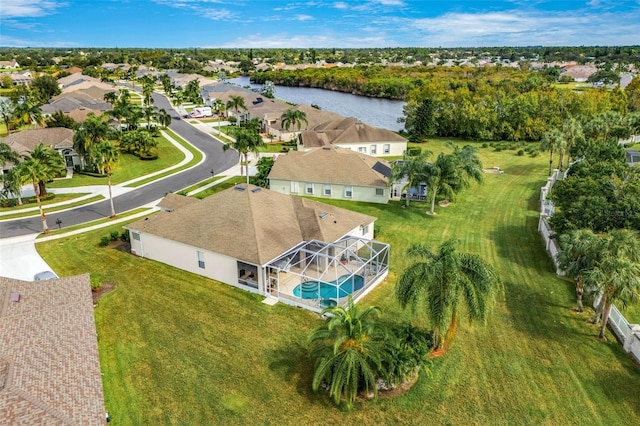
{"x":377,"y":112}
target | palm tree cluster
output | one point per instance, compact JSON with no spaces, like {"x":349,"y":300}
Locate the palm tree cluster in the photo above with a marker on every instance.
{"x":445,"y":177}
{"x":293,"y":118}
{"x":355,"y":354}
{"x":606,"y":266}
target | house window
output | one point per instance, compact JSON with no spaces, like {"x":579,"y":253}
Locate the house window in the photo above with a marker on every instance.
{"x":309,"y":189}
{"x":374,"y":149}
{"x":380,"y":192}
{"x":386,"y":148}
{"x":135,"y":236}
{"x":348,"y":191}
{"x":327,"y":190}
{"x":200,"y":260}
{"x":365,"y":229}
{"x":362,"y":149}
{"x":295,"y":187}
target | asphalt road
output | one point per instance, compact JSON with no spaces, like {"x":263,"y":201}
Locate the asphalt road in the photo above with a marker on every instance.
{"x":215,"y":159}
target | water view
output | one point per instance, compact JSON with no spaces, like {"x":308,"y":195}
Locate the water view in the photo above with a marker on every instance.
{"x":374,"y":111}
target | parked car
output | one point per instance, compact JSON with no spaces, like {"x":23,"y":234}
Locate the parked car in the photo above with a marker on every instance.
{"x":45,"y":275}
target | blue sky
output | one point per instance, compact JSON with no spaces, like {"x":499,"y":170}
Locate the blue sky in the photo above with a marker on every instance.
{"x":317,"y":23}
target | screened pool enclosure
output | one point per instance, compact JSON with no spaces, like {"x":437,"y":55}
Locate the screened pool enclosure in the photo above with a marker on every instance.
{"x":316,"y":274}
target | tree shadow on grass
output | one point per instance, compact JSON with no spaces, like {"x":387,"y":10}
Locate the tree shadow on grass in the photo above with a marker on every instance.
{"x":622,"y":386}
{"x":293,"y":364}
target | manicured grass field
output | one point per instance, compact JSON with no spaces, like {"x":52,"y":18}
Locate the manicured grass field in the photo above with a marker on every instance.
{"x":49,"y":209}
{"x":30,"y":202}
{"x":177,"y":348}
{"x":128,"y":167}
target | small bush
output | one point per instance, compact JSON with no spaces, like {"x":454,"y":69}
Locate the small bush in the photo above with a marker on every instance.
{"x":114,"y":235}
{"x":520,"y":152}
{"x":104,"y":241}
{"x":497,"y":149}
{"x":96,"y":281}
{"x":414,"y":151}
{"x":125,"y":237}
{"x":534,"y":153}
{"x":485,"y":145}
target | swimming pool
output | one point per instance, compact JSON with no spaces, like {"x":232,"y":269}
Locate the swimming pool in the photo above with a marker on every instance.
{"x":341,"y":287}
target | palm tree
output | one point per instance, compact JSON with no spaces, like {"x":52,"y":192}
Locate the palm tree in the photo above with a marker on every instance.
{"x":51,"y":159}
{"x":573,"y":135}
{"x":616,"y":273}
{"x":413,"y":169}
{"x":33,"y":170}
{"x":552,"y":140}
{"x":7,"y":108}
{"x":26,"y":113}
{"x":149,"y":113}
{"x":7,"y":154}
{"x":293,"y":117}
{"x":111,"y":97}
{"x":164,"y":118}
{"x":93,"y":131}
{"x":246,"y":141}
{"x":236,"y":102}
{"x":349,"y":350}
{"x":578,"y":254}
{"x":11,"y":183}
{"x":451,"y":173}
{"x":107,"y":155}
{"x":443,"y":280}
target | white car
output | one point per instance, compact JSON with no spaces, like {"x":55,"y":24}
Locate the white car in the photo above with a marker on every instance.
{"x":45,"y":275}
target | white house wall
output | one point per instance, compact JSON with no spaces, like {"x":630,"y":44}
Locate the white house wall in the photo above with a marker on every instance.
{"x":360,"y":193}
{"x":395,"y":148}
{"x":217,"y":266}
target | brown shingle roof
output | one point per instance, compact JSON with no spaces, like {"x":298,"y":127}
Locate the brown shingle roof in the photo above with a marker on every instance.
{"x":26,"y":140}
{"x":251,"y":223}
{"x":329,"y":165}
{"x":49,"y":365}
{"x":346,"y":130}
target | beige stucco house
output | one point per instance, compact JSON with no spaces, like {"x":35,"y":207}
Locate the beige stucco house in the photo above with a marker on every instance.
{"x":298,"y":251}
{"x":58,"y":138}
{"x":355,"y":135}
{"x":332,"y":172}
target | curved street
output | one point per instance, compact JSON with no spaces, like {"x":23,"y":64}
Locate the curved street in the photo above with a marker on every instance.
{"x":214,"y":159}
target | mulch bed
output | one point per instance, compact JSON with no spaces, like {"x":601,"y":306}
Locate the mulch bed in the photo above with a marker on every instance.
{"x":106,"y":288}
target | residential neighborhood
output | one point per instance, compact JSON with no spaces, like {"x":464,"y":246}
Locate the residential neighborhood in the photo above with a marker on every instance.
{"x":176,"y":248}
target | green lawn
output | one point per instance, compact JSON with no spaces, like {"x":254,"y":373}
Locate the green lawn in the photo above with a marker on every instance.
{"x":177,"y":348}
{"x":128,"y":167}
{"x":30,"y":202}
{"x":49,"y":209}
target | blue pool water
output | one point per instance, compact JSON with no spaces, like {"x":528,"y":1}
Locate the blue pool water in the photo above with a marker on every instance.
{"x":331,"y":290}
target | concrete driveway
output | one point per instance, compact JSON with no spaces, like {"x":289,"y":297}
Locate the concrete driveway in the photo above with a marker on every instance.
{"x":19,"y":258}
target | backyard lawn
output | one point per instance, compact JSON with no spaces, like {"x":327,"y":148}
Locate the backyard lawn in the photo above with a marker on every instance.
{"x":177,"y":348}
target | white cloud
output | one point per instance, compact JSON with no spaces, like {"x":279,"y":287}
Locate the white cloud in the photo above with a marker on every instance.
{"x":19,"y":42}
{"x":200,"y":7}
{"x":304,"y":17}
{"x":28,"y":8}
{"x":340,"y":5}
{"x":284,"y":40}
{"x":524,"y":28}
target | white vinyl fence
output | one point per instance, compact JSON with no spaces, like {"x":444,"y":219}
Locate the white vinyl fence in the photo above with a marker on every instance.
{"x":629,"y":334}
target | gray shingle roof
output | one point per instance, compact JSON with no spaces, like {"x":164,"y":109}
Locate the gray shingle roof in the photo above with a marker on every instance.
{"x":49,"y":364}
{"x":251,"y":224}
